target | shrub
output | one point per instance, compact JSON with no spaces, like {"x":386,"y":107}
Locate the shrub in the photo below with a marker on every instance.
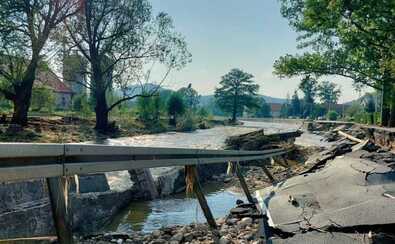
{"x":332,"y":115}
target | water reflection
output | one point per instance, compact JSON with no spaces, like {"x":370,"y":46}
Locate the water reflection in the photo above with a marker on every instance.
{"x":177,"y":210}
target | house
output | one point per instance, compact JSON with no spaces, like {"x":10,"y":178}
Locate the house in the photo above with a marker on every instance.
{"x":275,"y":109}
{"x":63,"y":93}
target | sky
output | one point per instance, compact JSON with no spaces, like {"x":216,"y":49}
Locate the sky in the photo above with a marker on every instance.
{"x":226,"y":34}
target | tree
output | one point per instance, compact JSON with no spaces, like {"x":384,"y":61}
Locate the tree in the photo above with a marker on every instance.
{"x":369,"y":106}
{"x":149,"y":109}
{"x":353,"y":39}
{"x":237,"y":90}
{"x":308,"y":86}
{"x":264,"y":110}
{"x":175,"y":107}
{"x":328,"y":93}
{"x":120,"y":39}
{"x":190,"y":96}
{"x":43,"y":99}
{"x":295,"y":104}
{"x":25,"y":28}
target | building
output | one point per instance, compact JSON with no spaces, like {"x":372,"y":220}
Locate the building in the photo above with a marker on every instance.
{"x":63,"y":93}
{"x":275,"y":109}
{"x":74,"y":73}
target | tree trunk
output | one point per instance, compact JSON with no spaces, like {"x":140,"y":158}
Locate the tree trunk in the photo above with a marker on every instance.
{"x":386,"y":104}
{"x":23,"y":94}
{"x":392,"y":117}
{"x":21,"y":109}
{"x":101,"y":110}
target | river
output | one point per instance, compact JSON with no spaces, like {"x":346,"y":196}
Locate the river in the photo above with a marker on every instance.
{"x":178,"y":209}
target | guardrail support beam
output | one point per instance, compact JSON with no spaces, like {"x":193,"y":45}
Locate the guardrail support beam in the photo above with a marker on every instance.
{"x":197,"y":189}
{"x":243,"y":183}
{"x":61,"y":211}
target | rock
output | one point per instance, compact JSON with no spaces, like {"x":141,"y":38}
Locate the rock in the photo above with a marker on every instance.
{"x":224,"y":240}
{"x":244,"y":222}
{"x":177,"y":237}
{"x":119,"y":241}
{"x":232,"y":221}
{"x":156,"y":233}
{"x":188,"y":237}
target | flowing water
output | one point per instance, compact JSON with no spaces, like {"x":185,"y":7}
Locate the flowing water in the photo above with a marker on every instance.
{"x":178,"y":209}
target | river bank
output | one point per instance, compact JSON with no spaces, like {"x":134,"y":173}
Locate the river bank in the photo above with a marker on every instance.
{"x":60,"y":129}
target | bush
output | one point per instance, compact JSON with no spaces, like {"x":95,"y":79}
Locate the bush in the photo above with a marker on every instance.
{"x":43,"y":99}
{"x":187,"y":123}
{"x":332,"y":115}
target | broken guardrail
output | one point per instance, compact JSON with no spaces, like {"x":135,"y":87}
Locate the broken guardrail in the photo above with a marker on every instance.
{"x":55,"y":162}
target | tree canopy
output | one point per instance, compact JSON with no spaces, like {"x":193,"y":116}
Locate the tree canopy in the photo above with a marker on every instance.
{"x":354,"y":39}
{"x":237,"y":90}
{"x":25,"y":29}
{"x":122,"y":39}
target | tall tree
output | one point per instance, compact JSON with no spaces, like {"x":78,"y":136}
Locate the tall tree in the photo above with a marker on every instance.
{"x":295,"y":104}
{"x":190,"y":96}
{"x":175,"y":107}
{"x":308,"y":86}
{"x":25,"y":28}
{"x":237,"y":90}
{"x":120,"y":38}
{"x":329,"y":93}
{"x":353,"y":39}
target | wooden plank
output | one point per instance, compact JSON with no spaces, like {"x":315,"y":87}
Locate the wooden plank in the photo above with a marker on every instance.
{"x":58,"y":193}
{"x":268,"y":174}
{"x":243,"y":183}
{"x":350,"y":137}
{"x":197,"y":189}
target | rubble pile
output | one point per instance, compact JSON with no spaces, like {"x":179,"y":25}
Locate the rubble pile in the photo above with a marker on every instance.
{"x":240,"y":226}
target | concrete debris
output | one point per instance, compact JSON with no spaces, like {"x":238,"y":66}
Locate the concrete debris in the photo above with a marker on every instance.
{"x":347,"y":195}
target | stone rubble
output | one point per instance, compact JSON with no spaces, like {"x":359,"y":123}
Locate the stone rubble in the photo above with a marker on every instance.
{"x":236,"y":228}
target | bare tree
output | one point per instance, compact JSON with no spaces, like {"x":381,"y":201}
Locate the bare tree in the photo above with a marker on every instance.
{"x":25,"y":28}
{"x":120,"y":38}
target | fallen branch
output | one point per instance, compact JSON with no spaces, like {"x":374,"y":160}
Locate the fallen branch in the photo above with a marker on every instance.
{"x":350,"y":137}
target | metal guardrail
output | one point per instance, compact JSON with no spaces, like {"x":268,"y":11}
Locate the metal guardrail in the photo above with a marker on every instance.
{"x":24,"y":161}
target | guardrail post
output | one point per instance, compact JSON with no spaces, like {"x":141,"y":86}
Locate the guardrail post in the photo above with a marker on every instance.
{"x":197,"y":189}
{"x":58,"y":194}
{"x":243,"y":183}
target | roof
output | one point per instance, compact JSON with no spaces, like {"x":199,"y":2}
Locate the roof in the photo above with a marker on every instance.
{"x":275,"y":107}
{"x":50,"y":79}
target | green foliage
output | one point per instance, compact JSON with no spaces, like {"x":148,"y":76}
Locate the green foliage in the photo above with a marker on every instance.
{"x":237,"y":91}
{"x":81,"y":103}
{"x":308,"y":86}
{"x":332,"y":115}
{"x":296,"y":105}
{"x":328,"y":92}
{"x":264,"y":110}
{"x":187,"y":122}
{"x":202,"y":113}
{"x":43,"y":99}
{"x":175,"y":107}
{"x":190,"y":96}
{"x":149,"y":109}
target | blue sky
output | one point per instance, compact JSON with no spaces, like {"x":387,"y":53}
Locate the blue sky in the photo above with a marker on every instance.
{"x":226,"y":34}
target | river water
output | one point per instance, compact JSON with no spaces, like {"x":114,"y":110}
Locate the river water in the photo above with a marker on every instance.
{"x":178,"y":209}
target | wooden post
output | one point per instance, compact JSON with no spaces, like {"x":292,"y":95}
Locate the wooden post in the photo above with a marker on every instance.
{"x":197,"y":189}
{"x":58,"y":194}
{"x":268,"y":174}
{"x":243,"y":183}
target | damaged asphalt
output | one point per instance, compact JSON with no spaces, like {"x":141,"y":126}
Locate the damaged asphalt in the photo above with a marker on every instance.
{"x":346,"y":196}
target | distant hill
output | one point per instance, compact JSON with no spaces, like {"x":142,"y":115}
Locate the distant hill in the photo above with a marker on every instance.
{"x":208,"y":99}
